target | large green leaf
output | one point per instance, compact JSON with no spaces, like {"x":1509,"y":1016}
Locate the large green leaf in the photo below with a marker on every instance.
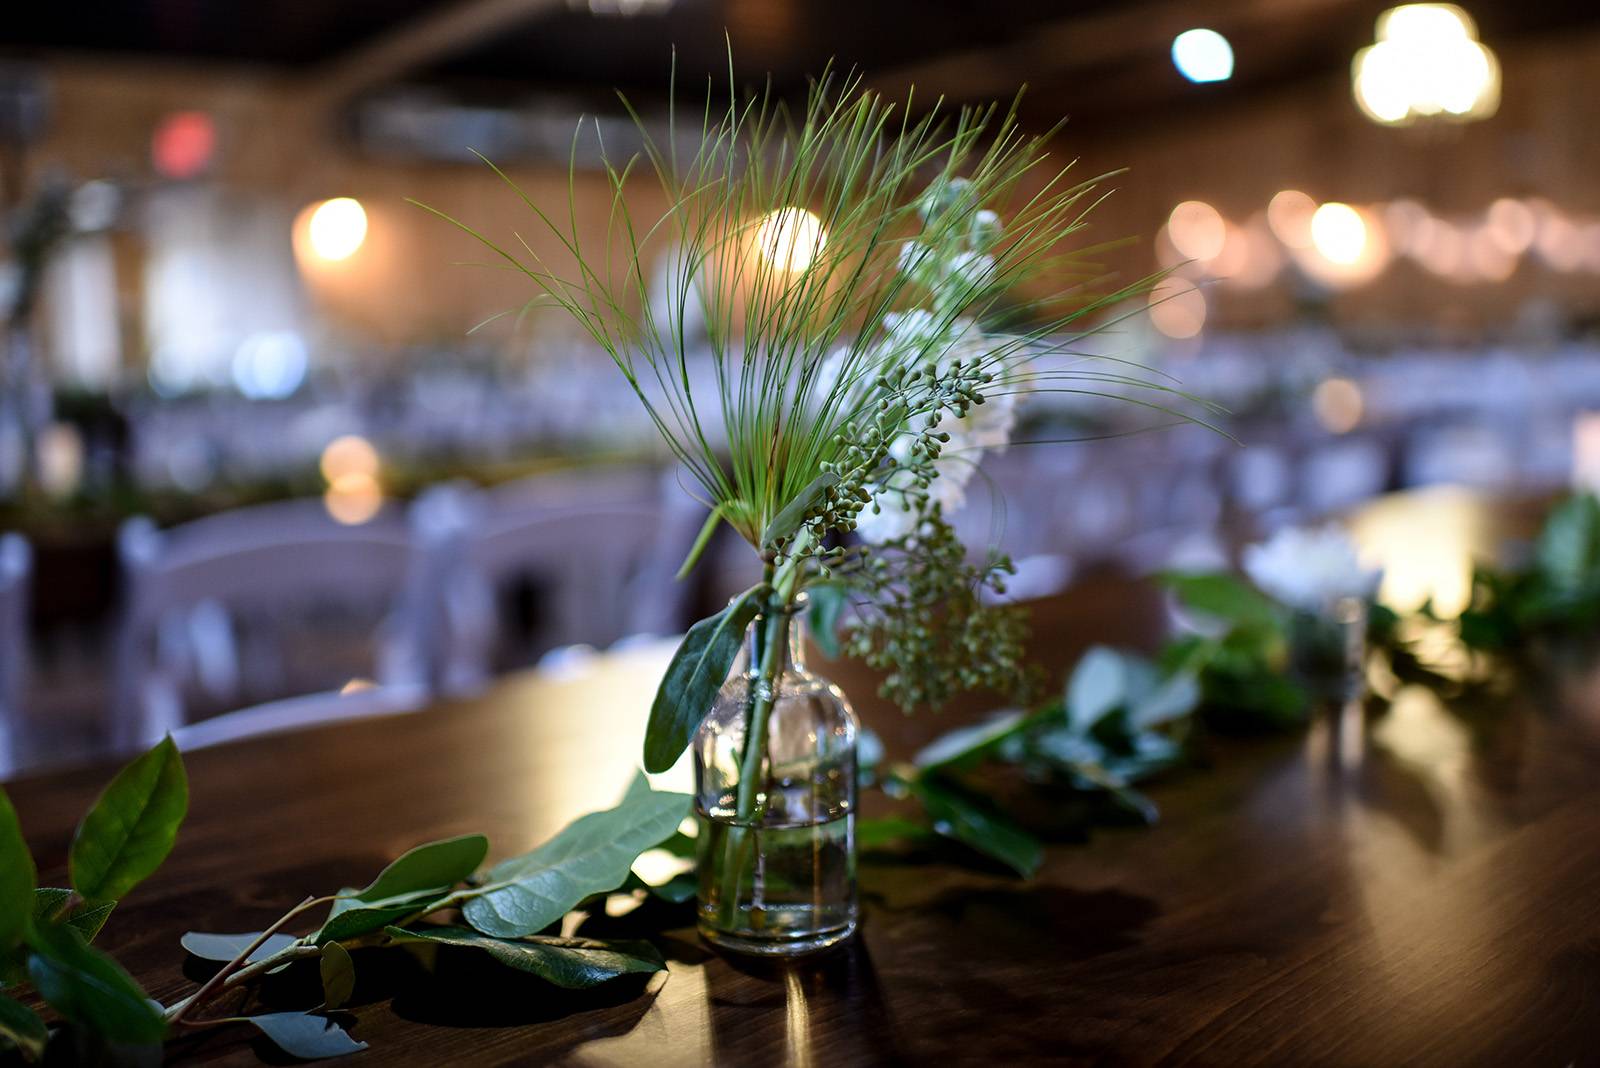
{"x":131,"y":828}
{"x":573,"y":963}
{"x":17,"y":876}
{"x":21,"y":1027}
{"x":592,"y":855}
{"x":225,"y":947}
{"x":87,"y":918}
{"x":957,"y":815}
{"x":89,"y":988}
{"x":698,"y":670}
{"x":338,"y":973}
{"x":311,"y":1038}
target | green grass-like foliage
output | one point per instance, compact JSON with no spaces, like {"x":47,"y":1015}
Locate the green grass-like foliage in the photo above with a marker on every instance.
{"x":775,"y":423}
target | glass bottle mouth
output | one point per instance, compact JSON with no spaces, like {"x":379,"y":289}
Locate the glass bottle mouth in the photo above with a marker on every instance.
{"x":801,"y":602}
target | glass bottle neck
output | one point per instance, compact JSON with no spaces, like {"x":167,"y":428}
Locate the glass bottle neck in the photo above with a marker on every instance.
{"x":777,"y":633}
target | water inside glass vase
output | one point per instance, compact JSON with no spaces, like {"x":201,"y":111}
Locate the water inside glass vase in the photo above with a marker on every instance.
{"x":775,"y":798}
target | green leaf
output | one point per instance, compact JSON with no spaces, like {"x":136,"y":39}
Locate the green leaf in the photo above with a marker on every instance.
{"x":87,"y":918}
{"x":360,"y":919}
{"x":957,"y":815}
{"x":89,"y":988}
{"x":1098,"y":687}
{"x":572,"y":963}
{"x":701,"y":540}
{"x":17,"y":876}
{"x":22,"y":1028}
{"x":132,"y":827}
{"x":876,"y":834}
{"x":788,"y":519}
{"x":338,"y":973}
{"x":225,"y":947}
{"x":828,"y":601}
{"x":1173,"y":699}
{"x":1223,"y":597}
{"x":432,"y":866}
{"x":697,"y":672}
{"x":1568,"y":551}
{"x":311,"y":1038}
{"x":967,"y":743}
{"x":592,"y":855}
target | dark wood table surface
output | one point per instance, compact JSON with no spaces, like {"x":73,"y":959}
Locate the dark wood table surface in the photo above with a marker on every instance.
{"x":1418,"y":888}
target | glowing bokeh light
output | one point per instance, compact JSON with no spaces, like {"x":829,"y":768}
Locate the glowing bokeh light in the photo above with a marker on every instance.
{"x":789,"y":239}
{"x":183,"y":144}
{"x":1426,"y":62}
{"x":1512,"y":225}
{"x":1177,"y":308}
{"x":1197,"y":230}
{"x":1203,"y":55}
{"x":353,"y":499}
{"x":1338,"y":233}
{"x":348,"y":455}
{"x":1289,"y":215}
{"x":336,"y":228}
{"x":1338,"y":405}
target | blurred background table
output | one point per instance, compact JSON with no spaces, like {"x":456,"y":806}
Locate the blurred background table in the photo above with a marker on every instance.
{"x":1421,"y":887}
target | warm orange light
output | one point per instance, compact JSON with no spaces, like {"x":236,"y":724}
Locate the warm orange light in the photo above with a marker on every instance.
{"x":790,"y":238}
{"x":353,"y":499}
{"x":348,"y":455}
{"x":333,"y":229}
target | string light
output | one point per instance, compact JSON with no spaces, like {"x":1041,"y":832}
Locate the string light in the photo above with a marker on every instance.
{"x":1426,"y":63}
{"x":1203,"y":55}
{"x":1197,"y":230}
{"x":336,"y":228}
{"x":1289,"y":216}
{"x":1177,"y":308}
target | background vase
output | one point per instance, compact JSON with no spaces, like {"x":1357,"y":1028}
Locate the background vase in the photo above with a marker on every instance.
{"x":775,"y":796}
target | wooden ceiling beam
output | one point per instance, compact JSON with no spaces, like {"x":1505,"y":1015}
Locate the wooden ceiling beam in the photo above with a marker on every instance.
{"x":1084,"y":42}
{"x":433,"y":37}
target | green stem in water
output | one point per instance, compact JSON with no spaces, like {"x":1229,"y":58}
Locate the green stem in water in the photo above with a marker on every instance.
{"x":774,"y":641}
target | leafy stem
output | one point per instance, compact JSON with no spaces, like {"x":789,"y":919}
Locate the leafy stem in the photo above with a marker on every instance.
{"x":177,"y":1013}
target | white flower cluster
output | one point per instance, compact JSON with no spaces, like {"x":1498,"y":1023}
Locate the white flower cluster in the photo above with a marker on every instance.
{"x":1310,"y":569}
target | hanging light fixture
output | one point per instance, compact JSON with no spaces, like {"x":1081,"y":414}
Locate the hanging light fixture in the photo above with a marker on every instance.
{"x":1427,"y":63}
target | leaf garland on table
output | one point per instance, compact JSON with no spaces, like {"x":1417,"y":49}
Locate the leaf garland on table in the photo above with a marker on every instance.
{"x":1557,"y":591}
{"x":511,"y":914}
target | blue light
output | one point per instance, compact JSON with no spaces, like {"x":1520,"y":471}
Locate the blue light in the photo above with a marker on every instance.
{"x":1203,"y":56}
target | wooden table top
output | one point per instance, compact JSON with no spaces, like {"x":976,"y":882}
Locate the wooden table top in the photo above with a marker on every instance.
{"x":1421,"y":888}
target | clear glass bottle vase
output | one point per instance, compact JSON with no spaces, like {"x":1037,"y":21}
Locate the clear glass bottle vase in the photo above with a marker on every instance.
{"x":775,"y":797}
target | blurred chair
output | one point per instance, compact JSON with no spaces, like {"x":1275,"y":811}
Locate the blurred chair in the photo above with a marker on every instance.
{"x":16,"y":566}
{"x":586,"y":558}
{"x":260,"y":603}
{"x":1342,"y":473}
{"x":1472,"y":455}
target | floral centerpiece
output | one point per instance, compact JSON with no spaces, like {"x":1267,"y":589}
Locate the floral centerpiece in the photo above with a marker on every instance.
{"x":874,"y":292}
